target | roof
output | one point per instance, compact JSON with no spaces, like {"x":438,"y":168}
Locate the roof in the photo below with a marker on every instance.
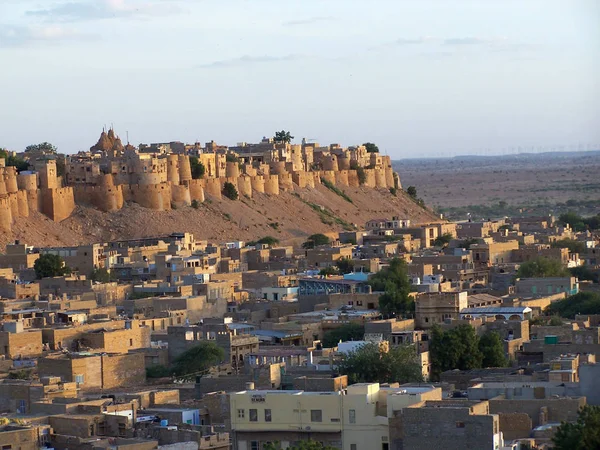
{"x":497,"y":310}
{"x":275,"y":334}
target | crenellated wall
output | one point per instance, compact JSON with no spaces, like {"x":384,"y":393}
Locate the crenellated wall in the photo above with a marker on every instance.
{"x":341,"y":178}
{"x":180,"y":195}
{"x":272,"y":185}
{"x":5,"y":213}
{"x":232,"y":170}
{"x":152,"y":196}
{"x":106,"y":198}
{"x":353,"y":178}
{"x":196,"y":190}
{"x":58,"y":204}
{"x":258,"y":184}
{"x":185,"y":169}
{"x":173,"y":169}
{"x":213,"y":187}
{"x":380,"y":181}
{"x":27,"y":181}
{"x":244,"y":184}
{"x":285,"y":182}
{"x":23,"y":203}
{"x":328,"y":175}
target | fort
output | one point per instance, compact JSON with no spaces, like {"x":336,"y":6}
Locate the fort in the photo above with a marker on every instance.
{"x":161,"y":176}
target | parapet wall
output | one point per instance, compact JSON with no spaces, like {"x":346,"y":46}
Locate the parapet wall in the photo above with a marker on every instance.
{"x":152,"y":196}
{"x":105,"y":198}
{"x":58,"y":204}
{"x":6,"y":219}
{"x":196,"y":190}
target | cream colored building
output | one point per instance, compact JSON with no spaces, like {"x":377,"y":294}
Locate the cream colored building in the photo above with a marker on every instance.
{"x":356,"y":418}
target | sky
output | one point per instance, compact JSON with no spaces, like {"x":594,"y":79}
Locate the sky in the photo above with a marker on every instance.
{"x":417,"y":77}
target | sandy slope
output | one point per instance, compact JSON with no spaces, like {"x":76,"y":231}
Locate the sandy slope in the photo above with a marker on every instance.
{"x":220,"y":220}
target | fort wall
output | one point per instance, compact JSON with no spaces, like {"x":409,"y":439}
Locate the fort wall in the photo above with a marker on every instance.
{"x":173,"y":169}
{"x":58,"y":204}
{"x":244,"y":184}
{"x":10,"y":179}
{"x":369,"y":178}
{"x":353,"y":178}
{"x":180,"y":195}
{"x":213,"y":187}
{"x":258,"y":183}
{"x":23,"y":204}
{"x":152,"y":196}
{"x":272,"y":185}
{"x":13,"y":204}
{"x":185,"y":169}
{"x":285,"y":182}
{"x":341,"y":178}
{"x":105,"y":197}
{"x":27,"y":182}
{"x":380,"y":181}
{"x":5,"y":214}
{"x":328,"y":175}
{"x":196,"y":190}
{"x":232,"y":170}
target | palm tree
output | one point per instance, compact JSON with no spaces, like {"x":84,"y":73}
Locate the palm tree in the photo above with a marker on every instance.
{"x":283,"y":137}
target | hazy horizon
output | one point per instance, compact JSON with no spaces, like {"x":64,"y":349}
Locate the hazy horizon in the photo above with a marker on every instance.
{"x":429,"y":78}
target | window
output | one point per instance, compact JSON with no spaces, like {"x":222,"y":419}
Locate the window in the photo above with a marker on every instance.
{"x":131,"y":342}
{"x":460,"y":424}
{"x":254,"y":445}
{"x":79,"y":379}
{"x":254,"y":415}
{"x":267,"y":415}
{"x":352,"y":416}
{"x":241,"y":413}
{"x":352,"y":446}
{"x":316,"y":415}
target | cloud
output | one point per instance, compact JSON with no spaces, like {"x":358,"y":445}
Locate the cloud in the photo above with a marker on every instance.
{"x":17,"y":36}
{"x":414,"y":41}
{"x":308,"y":21}
{"x":246,"y":60}
{"x":472,"y":41}
{"x":81,"y":10}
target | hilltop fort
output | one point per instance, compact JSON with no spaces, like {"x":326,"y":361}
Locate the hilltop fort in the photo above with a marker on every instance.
{"x":160,"y":176}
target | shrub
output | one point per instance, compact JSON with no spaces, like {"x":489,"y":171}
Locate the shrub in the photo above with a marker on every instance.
{"x":362,"y":176}
{"x":49,"y":265}
{"x":195,"y":204}
{"x":197,"y":167}
{"x":230,"y":191}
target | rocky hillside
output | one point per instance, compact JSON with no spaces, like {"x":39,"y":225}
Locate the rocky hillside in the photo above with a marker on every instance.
{"x":290,"y":217}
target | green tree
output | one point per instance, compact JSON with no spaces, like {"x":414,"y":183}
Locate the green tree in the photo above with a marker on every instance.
{"x":371,"y":364}
{"x":581,"y":303}
{"x":362,"y":175}
{"x":457,"y":348}
{"x":412,"y":191}
{"x":230,"y":157}
{"x":283,"y":137}
{"x":443,"y":240}
{"x":101,"y":275}
{"x":586,"y":273}
{"x":347,"y":332}
{"x":371,"y":148}
{"x":492,"y":349}
{"x":330,"y":270}
{"x":198,"y":169}
{"x":198,"y":359}
{"x":574,"y":220}
{"x":43,"y":147}
{"x":581,"y":435}
{"x":315,"y":240}
{"x":466,"y":243}
{"x":393,"y":281}
{"x":542,"y":267}
{"x":573,"y":245}
{"x":49,"y":265}
{"x":13,"y":161}
{"x":268,"y":240}
{"x":230,"y":191}
{"x":345,"y":265}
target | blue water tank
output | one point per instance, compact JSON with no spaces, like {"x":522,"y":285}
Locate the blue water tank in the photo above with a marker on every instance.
{"x":164,"y":423}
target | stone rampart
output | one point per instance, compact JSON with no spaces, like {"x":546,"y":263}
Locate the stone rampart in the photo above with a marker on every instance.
{"x":380,"y":181}
{"x":285,"y":182}
{"x":341,"y":178}
{"x":244,"y":184}
{"x":180,"y":195}
{"x":27,"y":181}
{"x":258,"y":184}
{"x":196,"y":190}
{"x":328,"y":175}
{"x":353,"y":178}
{"x":232,"y":170}
{"x":23,"y":204}
{"x":57,"y":204}
{"x":105,"y":197}
{"x":5,"y":214}
{"x":185,"y":169}
{"x":272,"y":185}
{"x":369,"y":178}
{"x":152,"y":196}
{"x":213,"y":187}
{"x":173,"y":169}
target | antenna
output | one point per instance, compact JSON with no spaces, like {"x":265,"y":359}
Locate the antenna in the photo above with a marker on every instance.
{"x":127,"y":137}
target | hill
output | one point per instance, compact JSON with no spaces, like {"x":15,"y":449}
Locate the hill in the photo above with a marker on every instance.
{"x":290,"y":217}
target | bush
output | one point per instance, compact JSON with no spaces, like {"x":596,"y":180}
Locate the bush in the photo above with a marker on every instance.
{"x":101,"y":275}
{"x":230,"y":157}
{"x":157,"y":371}
{"x":268,"y":240}
{"x":542,"y":267}
{"x":412,"y":191}
{"x":230,"y":191}
{"x":49,"y":265}
{"x":347,"y":332}
{"x":582,"y":303}
{"x":195,"y":204}
{"x":573,"y":245}
{"x":197,"y":167}
{"x":362,"y":176}
{"x":393,"y":191}
{"x":314,"y":240}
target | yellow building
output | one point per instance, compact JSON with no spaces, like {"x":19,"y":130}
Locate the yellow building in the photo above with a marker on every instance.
{"x":356,"y":418}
